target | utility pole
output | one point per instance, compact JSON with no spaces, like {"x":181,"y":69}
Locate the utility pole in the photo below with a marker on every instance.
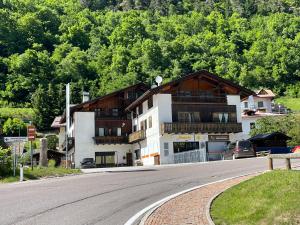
{"x":67,"y":120}
{"x":31,"y":152}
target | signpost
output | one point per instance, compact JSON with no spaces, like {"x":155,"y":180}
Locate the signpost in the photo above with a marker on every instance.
{"x":31,"y":133}
{"x":12,"y":140}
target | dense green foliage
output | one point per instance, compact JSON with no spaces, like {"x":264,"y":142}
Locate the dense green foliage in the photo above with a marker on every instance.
{"x":101,"y":45}
{"x":269,"y":199}
{"x":14,"y":127}
{"x":5,"y":162}
{"x":291,"y":103}
{"x":289,"y":125}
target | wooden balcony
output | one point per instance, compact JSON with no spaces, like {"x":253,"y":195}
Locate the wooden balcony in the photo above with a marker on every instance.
{"x":182,"y":128}
{"x":198,"y":98}
{"x":111,"y":140}
{"x":137,"y":136}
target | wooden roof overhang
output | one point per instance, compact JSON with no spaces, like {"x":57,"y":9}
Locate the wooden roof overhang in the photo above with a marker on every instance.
{"x":86,"y":105}
{"x":227,"y":85}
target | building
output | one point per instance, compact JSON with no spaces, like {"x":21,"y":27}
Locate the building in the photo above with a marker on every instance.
{"x":99,"y":129}
{"x":197,"y":114}
{"x":259,"y":106}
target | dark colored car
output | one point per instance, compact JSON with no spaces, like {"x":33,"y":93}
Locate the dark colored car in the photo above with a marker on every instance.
{"x":87,"y":163}
{"x":239,"y":149}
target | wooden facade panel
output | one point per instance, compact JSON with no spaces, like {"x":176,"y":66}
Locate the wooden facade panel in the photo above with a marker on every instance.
{"x":205,"y":110}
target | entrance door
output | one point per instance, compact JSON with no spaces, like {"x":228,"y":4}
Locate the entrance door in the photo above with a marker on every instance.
{"x":129,"y":160}
{"x":105,"y":159}
{"x":156,"y":160}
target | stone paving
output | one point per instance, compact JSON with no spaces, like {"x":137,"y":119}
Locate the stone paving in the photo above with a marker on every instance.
{"x":190,"y":208}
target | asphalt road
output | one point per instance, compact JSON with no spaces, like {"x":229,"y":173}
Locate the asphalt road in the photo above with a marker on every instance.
{"x":109,"y":198}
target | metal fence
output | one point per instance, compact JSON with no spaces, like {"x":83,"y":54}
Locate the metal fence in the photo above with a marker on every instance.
{"x":198,"y":155}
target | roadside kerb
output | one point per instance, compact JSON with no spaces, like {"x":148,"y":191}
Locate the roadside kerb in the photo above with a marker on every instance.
{"x":141,"y":216}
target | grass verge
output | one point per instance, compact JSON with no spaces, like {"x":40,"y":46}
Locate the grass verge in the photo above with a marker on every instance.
{"x":272,"y":198}
{"x":40,"y":172}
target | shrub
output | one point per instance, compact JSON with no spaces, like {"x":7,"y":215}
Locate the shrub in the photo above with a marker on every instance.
{"x":5,"y":162}
{"x":52,"y":141}
{"x":51,"y":163}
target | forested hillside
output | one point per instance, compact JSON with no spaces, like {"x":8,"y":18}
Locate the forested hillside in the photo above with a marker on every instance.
{"x":101,"y":45}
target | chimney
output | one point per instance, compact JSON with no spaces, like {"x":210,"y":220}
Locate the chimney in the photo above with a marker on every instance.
{"x":85,"y":96}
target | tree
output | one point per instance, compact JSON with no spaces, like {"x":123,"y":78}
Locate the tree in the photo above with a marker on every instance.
{"x":289,"y":125}
{"x":14,"y":127}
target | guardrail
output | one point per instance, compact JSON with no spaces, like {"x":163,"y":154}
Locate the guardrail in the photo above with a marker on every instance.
{"x":287,"y":158}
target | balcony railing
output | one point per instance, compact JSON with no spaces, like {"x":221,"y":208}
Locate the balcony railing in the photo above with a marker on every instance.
{"x":111,"y":140}
{"x":199,"y":98}
{"x":137,"y":136}
{"x":170,"y":128}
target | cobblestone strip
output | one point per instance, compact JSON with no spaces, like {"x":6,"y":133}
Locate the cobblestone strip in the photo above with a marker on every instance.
{"x":190,"y":208}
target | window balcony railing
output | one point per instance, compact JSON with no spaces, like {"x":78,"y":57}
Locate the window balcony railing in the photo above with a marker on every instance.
{"x":111,"y":140}
{"x":199,"y":97}
{"x":137,"y":136}
{"x":170,"y":128}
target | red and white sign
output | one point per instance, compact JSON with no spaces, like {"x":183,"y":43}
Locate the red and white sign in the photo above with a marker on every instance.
{"x":31,"y":133}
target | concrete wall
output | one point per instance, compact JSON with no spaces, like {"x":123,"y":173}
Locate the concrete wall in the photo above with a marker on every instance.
{"x":61,"y":137}
{"x":85,"y":146}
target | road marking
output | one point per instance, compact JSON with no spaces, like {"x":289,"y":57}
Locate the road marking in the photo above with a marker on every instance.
{"x":133,"y":220}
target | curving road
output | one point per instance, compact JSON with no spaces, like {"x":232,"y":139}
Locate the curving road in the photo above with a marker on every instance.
{"x":109,"y":198}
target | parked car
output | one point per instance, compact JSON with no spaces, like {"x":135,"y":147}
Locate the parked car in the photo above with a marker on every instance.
{"x":87,"y":163}
{"x":239,"y":149}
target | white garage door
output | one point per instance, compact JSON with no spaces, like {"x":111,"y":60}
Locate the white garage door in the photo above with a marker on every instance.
{"x":215,"y":150}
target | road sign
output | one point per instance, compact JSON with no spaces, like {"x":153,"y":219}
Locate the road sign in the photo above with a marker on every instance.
{"x":31,"y":132}
{"x":15,"y":139}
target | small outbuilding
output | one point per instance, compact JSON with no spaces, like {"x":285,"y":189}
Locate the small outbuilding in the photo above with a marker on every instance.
{"x":51,"y":154}
{"x":276,"y":142}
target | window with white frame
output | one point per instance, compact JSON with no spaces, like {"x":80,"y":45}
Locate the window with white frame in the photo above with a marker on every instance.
{"x":166,"y":149}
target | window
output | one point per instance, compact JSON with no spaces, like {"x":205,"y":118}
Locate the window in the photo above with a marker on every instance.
{"x":101,"y":131}
{"x":99,"y":112}
{"x":134,"y":128}
{"x":150,"y":102}
{"x":141,"y":109}
{"x":185,"y":146}
{"x":150,"y":121}
{"x":184,"y":117}
{"x":189,"y":117}
{"x":143,"y":125}
{"x":137,"y":154}
{"x":260,"y":104}
{"x":221,"y":117}
{"x":166,"y":149}
{"x":115,"y":112}
{"x":119,"y":131}
{"x":246,"y":105}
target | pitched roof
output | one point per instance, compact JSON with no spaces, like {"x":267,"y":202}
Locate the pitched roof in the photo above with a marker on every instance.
{"x":56,"y":122}
{"x":268,"y":136}
{"x":81,"y":105}
{"x":265,"y":93}
{"x":244,"y":92}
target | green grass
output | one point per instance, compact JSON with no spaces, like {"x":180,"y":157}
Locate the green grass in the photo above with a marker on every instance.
{"x":40,"y":172}
{"x":269,"y":199}
{"x":291,"y":103}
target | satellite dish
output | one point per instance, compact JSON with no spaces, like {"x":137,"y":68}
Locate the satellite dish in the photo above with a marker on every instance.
{"x":158,"y":80}
{"x":153,"y":86}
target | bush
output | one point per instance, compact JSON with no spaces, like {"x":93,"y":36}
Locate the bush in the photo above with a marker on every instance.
{"x":52,"y":142}
{"x":51,"y":163}
{"x":5,"y":162}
